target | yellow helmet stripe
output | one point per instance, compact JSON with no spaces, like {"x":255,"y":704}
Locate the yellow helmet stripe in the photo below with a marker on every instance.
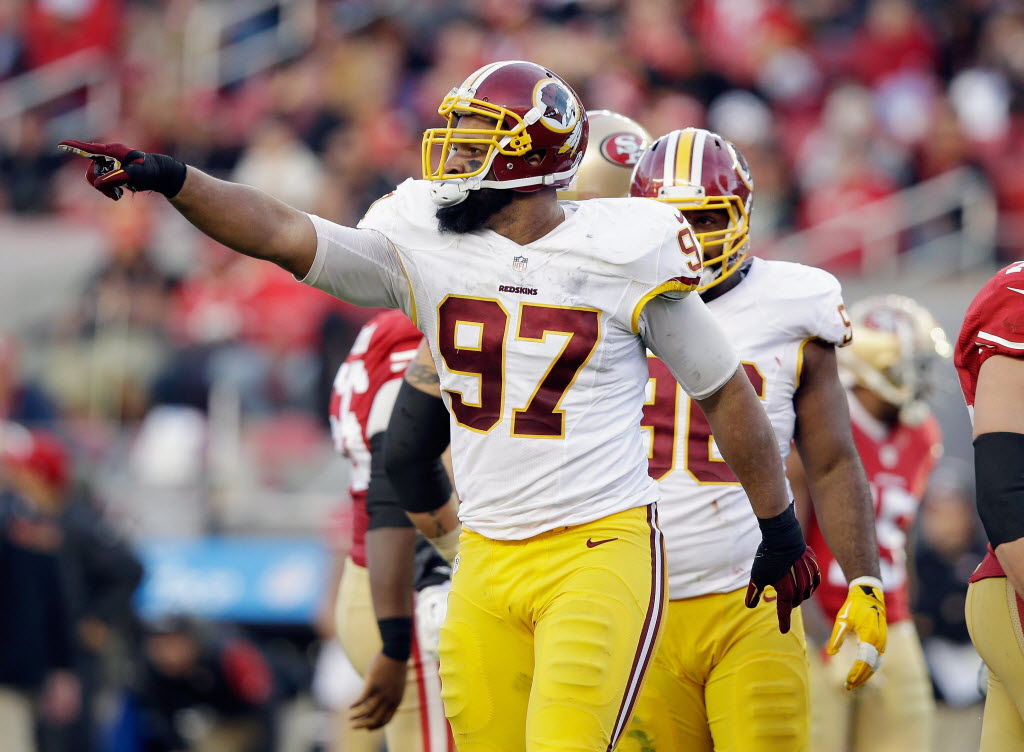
{"x":684,"y":157}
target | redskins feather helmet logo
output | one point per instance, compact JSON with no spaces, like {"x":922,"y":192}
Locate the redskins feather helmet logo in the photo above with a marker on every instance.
{"x":559,"y":110}
{"x":623,"y":148}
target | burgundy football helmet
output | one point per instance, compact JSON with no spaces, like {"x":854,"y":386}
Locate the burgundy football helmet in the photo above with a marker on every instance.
{"x":695,"y":169}
{"x":534,"y":111}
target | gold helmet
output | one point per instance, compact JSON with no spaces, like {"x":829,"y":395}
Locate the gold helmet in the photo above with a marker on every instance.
{"x":895,"y":342}
{"x":694,"y":169}
{"x":616,"y":143}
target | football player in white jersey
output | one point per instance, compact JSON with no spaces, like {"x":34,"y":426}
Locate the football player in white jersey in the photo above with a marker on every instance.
{"x":537,"y":314}
{"x":420,"y":434}
{"x":724,"y":677}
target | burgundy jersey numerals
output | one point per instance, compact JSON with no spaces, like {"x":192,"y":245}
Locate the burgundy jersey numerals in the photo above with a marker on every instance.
{"x":660,"y":419}
{"x":482,"y":356}
{"x":472,"y":336}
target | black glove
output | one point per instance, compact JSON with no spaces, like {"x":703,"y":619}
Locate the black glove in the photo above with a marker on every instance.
{"x":784,"y":562}
{"x":116,"y":166}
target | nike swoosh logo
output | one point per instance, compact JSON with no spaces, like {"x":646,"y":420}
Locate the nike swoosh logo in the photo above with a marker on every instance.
{"x":591,"y":543}
{"x":1015,"y":290}
{"x":770,"y":598}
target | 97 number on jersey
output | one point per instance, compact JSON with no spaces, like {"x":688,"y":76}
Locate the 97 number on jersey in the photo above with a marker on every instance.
{"x":540,"y":417}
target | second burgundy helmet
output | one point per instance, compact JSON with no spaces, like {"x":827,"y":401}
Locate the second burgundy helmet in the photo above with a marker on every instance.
{"x":695,"y":169}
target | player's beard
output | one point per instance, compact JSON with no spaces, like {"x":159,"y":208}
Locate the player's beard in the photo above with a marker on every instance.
{"x":473,"y":213}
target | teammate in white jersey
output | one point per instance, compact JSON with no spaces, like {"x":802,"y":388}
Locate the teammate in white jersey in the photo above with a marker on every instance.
{"x":537,"y":315}
{"x":724,"y":678}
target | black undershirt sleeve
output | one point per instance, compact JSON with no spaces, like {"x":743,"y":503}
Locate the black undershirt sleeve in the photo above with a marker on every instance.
{"x":417,"y":436}
{"x":381,"y":498}
{"x":999,"y":479}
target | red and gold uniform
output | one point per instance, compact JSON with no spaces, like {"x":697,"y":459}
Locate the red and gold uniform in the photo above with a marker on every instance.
{"x":994,"y":325}
{"x":361,"y":401}
{"x":893,"y":712}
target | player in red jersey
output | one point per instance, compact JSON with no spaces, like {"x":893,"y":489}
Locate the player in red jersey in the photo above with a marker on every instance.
{"x":375,"y":599}
{"x":988,"y":360}
{"x":899,"y":442}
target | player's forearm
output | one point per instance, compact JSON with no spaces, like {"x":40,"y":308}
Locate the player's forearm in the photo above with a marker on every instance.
{"x":248,"y":221}
{"x":843,"y":507}
{"x":746,"y":440}
{"x":390,"y":559}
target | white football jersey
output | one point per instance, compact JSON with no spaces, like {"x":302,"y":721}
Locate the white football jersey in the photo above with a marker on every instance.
{"x":710,"y":530}
{"x":536,"y":346}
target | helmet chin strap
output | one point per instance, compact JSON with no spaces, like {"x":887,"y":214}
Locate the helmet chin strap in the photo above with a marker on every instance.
{"x":456,"y":190}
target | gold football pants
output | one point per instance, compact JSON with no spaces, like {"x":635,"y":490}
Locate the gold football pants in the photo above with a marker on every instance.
{"x":995,"y":626}
{"x":893,"y":712}
{"x":547,"y":639}
{"x":724,"y":679}
{"x":419,"y":724}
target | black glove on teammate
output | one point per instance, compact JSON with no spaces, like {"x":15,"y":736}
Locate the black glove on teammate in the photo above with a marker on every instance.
{"x":116,"y":166}
{"x":784,"y":562}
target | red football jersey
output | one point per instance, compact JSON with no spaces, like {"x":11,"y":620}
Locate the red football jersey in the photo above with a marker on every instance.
{"x":364,"y":393}
{"x":993,"y":325}
{"x":898,"y":463}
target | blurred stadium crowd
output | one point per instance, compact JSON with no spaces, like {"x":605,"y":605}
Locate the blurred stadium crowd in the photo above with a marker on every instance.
{"x":188,"y":386}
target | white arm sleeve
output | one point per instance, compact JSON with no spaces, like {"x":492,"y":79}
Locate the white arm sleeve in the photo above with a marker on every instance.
{"x":685,"y":335}
{"x":358,"y":266}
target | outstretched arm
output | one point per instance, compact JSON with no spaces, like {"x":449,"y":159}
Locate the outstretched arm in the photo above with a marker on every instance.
{"x":248,"y":220}
{"x":243,"y":218}
{"x":357,"y":265}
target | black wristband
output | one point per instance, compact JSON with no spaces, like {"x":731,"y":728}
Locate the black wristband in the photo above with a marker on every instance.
{"x":782,"y":532}
{"x":156,"y":172}
{"x":999,"y":479}
{"x":396,"y":634}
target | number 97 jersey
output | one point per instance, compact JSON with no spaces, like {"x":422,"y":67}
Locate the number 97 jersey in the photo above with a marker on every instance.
{"x":538,"y":350}
{"x":709,"y":527}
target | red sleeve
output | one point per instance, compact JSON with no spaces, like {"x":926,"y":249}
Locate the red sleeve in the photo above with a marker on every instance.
{"x":993,"y":325}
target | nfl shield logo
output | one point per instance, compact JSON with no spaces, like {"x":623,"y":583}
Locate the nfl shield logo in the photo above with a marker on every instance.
{"x":519,"y":263}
